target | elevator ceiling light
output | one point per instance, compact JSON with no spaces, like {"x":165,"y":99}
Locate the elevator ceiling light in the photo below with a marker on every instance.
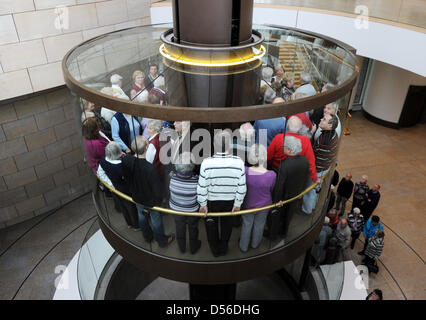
{"x":257,"y":55}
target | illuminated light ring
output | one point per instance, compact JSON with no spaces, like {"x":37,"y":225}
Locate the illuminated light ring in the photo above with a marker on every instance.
{"x":256,"y":56}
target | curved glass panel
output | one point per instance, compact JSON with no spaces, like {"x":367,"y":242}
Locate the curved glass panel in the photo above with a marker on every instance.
{"x":287,"y":64}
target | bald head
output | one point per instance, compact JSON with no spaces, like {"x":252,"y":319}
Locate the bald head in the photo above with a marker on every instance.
{"x":294,"y":124}
{"x":278,"y":100}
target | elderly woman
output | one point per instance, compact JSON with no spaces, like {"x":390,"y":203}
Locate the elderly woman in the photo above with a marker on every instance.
{"x":138,"y":84}
{"x":374,"y":248}
{"x":288,"y":86}
{"x":183,"y":197}
{"x":110,"y":170}
{"x":260,"y":183}
{"x":94,"y":143}
{"x":154,"y":127}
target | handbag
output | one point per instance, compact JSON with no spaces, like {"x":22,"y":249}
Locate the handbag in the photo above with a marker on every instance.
{"x":373,"y":267}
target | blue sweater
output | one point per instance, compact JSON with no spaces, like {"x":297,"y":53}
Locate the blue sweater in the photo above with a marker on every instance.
{"x":273,"y":127}
{"x":370,"y":229}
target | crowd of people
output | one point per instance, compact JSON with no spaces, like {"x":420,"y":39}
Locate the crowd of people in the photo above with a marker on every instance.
{"x":297,"y":151}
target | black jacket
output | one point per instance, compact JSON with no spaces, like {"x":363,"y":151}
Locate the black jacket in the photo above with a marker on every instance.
{"x":345,"y":188}
{"x":292,"y":178}
{"x":372,"y":202}
{"x":145,"y":185}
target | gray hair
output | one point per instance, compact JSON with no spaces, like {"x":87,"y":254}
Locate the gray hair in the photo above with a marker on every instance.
{"x":267,"y":73}
{"x":357,"y":210}
{"x":246,"y":131}
{"x":222,"y":141}
{"x":269,"y":95}
{"x":293,"y":145}
{"x":159,"y":82}
{"x":257,"y":155}
{"x":294,"y":124}
{"x":115,"y":78}
{"x":305,"y":77}
{"x":155,"y":124}
{"x":113,"y":151}
{"x":139,"y":145}
{"x":87,"y":114}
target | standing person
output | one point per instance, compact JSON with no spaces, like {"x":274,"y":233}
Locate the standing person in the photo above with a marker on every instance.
{"x":320,"y":246}
{"x":183,"y":197}
{"x":221,"y":188}
{"x":153,"y":154}
{"x":305,"y":84}
{"x":370,"y":228}
{"x":272,"y":126}
{"x":356,"y":223}
{"x":146,"y":190}
{"x":344,"y":192}
{"x":110,"y":170}
{"x":288,"y":86}
{"x":292,"y":178}
{"x":116,"y":84}
{"x":360,"y":193}
{"x":124,"y":127}
{"x":153,"y":74}
{"x":373,"y":197}
{"x":159,"y":90}
{"x":260,"y":184}
{"x":138,"y":84}
{"x":343,"y":236}
{"x":94,"y":143}
{"x":374,"y":248}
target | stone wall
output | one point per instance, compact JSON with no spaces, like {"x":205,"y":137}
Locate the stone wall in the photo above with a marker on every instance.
{"x":41,"y":158}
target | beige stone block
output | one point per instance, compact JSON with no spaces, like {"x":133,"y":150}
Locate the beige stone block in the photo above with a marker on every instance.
{"x":58,"y":46}
{"x":59,"y":98}
{"x":50,"y":118}
{"x":30,"y":205}
{"x":19,"y":128}
{"x":20,"y":178}
{"x":37,"y":24}
{"x":48,"y":4}
{"x":138,"y":8}
{"x":72,"y":158}
{"x":7,"y":30}
{"x":58,"y":148}
{"x":92,"y":67}
{"x":89,"y":34}
{"x":128,"y":24}
{"x":49,"y":168}
{"x":40,"y":139}
{"x":66,"y":129}
{"x":111,"y":12}
{"x":30,"y":106}
{"x":46,"y":76}
{"x":7,"y":113}
{"x":413,"y":12}
{"x":7,"y":166}
{"x":22,"y":55}
{"x":2,"y":136}
{"x":14,"y":84}
{"x":81,"y":17}
{"x":30,"y":159}
{"x":15,"y":6}
{"x":57,"y":194}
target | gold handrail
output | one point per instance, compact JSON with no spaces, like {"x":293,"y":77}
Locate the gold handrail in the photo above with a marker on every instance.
{"x":212,"y":214}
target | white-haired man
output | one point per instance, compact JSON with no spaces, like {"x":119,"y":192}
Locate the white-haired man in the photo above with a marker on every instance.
{"x":221,"y":188}
{"x":356,"y":223}
{"x":305,"y":84}
{"x":330,"y":109}
{"x":116,"y":84}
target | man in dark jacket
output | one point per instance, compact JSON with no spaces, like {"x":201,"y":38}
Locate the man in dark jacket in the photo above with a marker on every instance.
{"x":344,"y":192}
{"x":146,"y":189}
{"x":373,"y":197}
{"x":292,"y":178}
{"x":360,"y":193}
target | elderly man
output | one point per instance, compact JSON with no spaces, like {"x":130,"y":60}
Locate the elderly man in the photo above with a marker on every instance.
{"x":330,"y":109}
{"x":360,"y":193}
{"x":344,"y":192}
{"x":110,"y":170}
{"x":221,"y":188}
{"x":324,"y":148}
{"x":146,"y":189}
{"x":305,"y":84}
{"x":292,"y":178}
{"x":272,"y":127}
{"x":356,"y":223}
{"x":373,"y":197}
{"x":116,"y":84}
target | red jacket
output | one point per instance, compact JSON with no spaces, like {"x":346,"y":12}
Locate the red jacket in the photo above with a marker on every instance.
{"x":275,"y":150}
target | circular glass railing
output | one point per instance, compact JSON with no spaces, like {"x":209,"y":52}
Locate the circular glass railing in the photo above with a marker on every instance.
{"x":290,"y":54}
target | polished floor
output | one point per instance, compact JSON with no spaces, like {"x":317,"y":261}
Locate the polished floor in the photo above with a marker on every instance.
{"x":32,"y":253}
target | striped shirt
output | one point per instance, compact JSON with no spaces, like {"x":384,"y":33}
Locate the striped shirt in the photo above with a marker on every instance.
{"x":222,"y":177}
{"x":374,"y":247}
{"x":325,"y":149}
{"x":183,"y":192}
